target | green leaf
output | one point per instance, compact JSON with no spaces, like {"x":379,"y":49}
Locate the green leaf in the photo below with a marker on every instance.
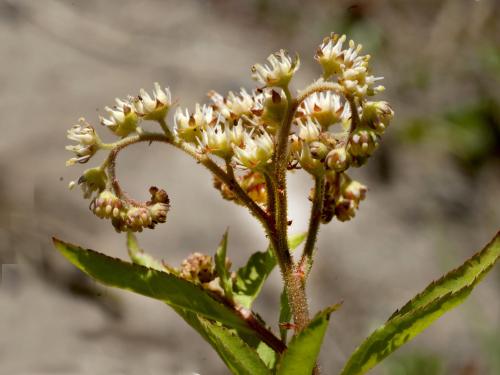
{"x":456,"y":279}
{"x":251,"y":278}
{"x":238,"y":356}
{"x":304,"y":348}
{"x":267,"y":355}
{"x":285,"y":315}
{"x":222,"y":271}
{"x":149,"y":282}
{"x":413,"y":318}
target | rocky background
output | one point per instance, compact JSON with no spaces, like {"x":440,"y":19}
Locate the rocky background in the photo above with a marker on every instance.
{"x":434,"y":195}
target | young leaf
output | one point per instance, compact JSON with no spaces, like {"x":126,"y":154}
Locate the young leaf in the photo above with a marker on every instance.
{"x":285,"y":315}
{"x":303,"y":350}
{"x":149,"y":282}
{"x":438,"y":298}
{"x":220,"y":267}
{"x":251,"y":277}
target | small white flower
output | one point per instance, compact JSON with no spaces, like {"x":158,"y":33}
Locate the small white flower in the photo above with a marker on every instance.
{"x":325,"y":107}
{"x":220,"y":139}
{"x":234,"y":105}
{"x":336,"y":60}
{"x":309,"y":131}
{"x":255,"y":153}
{"x":358,"y":82}
{"x":87,"y":140}
{"x":190,"y":127}
{"x":153,"y":107}
{"x":279,"y":72}
{"x":123,"y":118}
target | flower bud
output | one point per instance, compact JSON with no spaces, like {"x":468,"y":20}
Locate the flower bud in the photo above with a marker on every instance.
{"x":363,"y":142}
{"x":377,"y":115}
{"x":338,"y":159}
{"x":107,"y":205}
{"x":318,"y":150}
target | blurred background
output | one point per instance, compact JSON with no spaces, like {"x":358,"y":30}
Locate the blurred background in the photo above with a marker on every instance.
{"x":434,"y":184}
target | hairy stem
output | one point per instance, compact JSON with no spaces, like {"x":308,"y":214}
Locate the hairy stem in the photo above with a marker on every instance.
{"x":314,"y":223}
{"x":291,"y":278}
{"x":227,"y":178}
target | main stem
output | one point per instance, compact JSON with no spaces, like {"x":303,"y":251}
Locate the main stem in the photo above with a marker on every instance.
{"x":291,"y":277}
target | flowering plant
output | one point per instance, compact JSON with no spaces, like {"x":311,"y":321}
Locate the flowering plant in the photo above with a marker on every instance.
{"x":249,"y":141}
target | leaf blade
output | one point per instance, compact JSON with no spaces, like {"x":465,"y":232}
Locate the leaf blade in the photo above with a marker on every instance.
{"x":438,"y":298}
{"x":303,"y":350}
{"x":220,"y":267}
{"x":151,"y":283}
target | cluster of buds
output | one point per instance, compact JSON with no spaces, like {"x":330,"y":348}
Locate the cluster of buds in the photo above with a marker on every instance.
{"x":198,"y":268}
{"x":333,"y":127}
{"x":342,"y":197}
{"x":129,"y":215}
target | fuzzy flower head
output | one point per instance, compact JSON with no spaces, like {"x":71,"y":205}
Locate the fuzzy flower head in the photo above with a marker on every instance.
{"x":189,"y":127}
{"x":122,"y":119}
{"x":255,"y":153}
{"x":88,"y":142}
{"x":153,"y":107}
{"x":279,"y":72}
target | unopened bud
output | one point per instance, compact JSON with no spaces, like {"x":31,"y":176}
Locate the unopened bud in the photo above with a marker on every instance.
{"x":338,"y":159}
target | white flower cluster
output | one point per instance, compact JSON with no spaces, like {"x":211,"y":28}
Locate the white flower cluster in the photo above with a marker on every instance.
{"x":241,"y":128}
{"x":351,"y":68}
